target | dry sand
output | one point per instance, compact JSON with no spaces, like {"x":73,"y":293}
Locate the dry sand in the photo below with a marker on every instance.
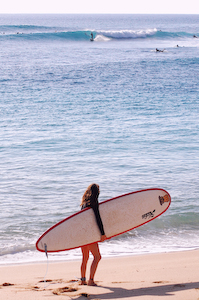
{"x":152,"y":276}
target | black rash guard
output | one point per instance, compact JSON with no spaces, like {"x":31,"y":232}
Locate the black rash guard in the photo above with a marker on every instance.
{"x":95,"y":208}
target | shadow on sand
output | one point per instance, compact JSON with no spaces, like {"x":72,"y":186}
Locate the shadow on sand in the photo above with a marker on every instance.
{"x":161,"y":290}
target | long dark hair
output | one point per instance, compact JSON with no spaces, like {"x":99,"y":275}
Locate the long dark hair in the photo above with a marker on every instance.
{"x":91,"y":195}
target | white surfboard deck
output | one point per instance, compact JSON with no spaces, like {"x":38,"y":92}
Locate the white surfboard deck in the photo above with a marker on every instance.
{"x":118,"y":215}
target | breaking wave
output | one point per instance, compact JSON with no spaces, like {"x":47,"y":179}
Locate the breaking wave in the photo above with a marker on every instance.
{"x":27,"y":32}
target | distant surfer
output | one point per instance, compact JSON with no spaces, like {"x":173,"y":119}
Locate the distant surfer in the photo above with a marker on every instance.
{"x":158,"y":50}
{"x":90,"y":199}
{"x":91,"y":39}
{"x":195,"y":36}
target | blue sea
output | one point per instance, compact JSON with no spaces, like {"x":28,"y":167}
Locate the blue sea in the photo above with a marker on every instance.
{"x":113,"y":111}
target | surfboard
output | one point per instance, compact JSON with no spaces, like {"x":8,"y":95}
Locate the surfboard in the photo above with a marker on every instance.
{"x":119,"y":215}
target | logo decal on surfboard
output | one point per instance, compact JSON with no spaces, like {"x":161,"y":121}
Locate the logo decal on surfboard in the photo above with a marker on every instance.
{"x":149,"y":215}
{"x":164,"y":199}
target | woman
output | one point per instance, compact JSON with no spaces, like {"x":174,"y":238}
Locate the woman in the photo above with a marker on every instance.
{"x":90,"y":199}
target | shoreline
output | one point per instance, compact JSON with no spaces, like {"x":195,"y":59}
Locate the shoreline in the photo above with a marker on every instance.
{"x":173,"y":274}
{"x":64,"y":260}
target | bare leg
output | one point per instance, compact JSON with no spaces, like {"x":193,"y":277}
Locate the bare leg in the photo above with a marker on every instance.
{"x":94,"y":249}
{"x":85,"y":257}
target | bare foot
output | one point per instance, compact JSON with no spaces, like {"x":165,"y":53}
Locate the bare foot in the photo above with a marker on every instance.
{"x":91,"y":283}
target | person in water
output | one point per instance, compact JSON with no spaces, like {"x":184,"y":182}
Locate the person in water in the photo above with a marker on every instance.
{"x":91,"y":36}
{"x":90,"y":199}
{"x":158,"y":50}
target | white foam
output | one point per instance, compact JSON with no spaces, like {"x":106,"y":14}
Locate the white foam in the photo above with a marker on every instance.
{"x":128,"y":34}
{"x":101,"y":38}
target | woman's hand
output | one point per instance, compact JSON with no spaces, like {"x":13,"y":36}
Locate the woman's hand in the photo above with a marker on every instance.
{"x":103,"y":238}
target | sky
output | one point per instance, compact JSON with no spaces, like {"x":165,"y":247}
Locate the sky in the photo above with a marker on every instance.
{"x":101,"y":6}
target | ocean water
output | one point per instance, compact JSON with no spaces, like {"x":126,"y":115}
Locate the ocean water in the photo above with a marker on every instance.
{"x":112,"y":111}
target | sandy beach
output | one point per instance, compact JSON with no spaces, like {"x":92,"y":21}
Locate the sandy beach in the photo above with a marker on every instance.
{"x":151,"y":276}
